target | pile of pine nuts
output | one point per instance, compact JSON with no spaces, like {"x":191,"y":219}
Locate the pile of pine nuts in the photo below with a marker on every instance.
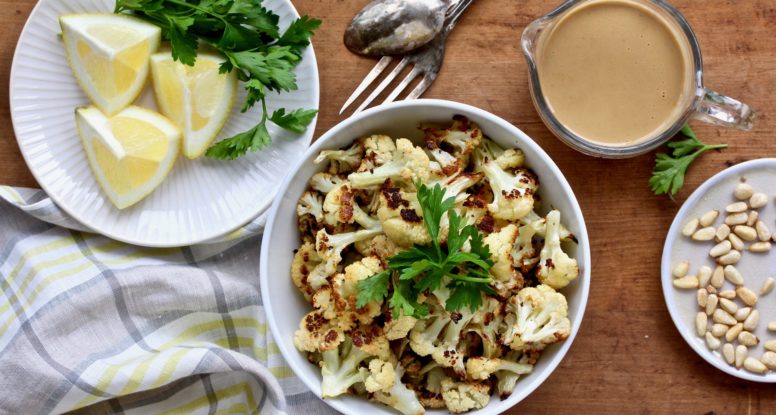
{"x":722,"y":320}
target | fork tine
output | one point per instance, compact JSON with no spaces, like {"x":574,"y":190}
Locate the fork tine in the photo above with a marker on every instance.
{"x":420,"y":88}
{"x":370,"y":77}
{"x":404,"y":82}
{"x":388,"y":78}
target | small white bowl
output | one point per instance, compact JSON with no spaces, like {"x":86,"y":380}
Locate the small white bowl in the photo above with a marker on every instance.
{"x":717,"y":193}
{"x":285,"y":306}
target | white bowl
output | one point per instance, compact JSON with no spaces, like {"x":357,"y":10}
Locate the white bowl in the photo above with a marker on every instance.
{"x":285,"y":306}
{"x":716,"y":193}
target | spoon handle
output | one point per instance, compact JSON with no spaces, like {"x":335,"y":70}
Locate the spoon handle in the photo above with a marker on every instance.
{"x":454,"y":13}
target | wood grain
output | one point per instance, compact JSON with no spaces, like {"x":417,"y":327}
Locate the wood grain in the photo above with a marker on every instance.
{"x":628,"y":357}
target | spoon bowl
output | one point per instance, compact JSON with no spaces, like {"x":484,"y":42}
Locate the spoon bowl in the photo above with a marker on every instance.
{"x":393,"y":27}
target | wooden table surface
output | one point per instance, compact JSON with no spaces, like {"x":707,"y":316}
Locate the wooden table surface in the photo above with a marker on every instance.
{"x":628,"y":357}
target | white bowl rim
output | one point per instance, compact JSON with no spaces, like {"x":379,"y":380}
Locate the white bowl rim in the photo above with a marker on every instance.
{"x":455,"y":107}
{"x":665,"y":269}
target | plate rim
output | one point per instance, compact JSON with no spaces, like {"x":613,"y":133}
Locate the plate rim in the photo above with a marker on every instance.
{"x":666,"y":278}
{"x":307,"y":138}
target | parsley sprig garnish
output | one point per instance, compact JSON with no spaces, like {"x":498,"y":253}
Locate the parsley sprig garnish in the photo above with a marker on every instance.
{"x":425,"y":268}
{"x":669,"y":171}
{"x":248,"y":36}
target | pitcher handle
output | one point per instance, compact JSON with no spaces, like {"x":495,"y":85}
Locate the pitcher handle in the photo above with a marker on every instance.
{"x":715,"y":108}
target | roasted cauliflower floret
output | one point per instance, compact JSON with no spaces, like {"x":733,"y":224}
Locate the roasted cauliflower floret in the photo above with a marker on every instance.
{"x":513,"y":192}
{"x":399,"y":328}
{"x":341,"y":369}
{"x":481,"y":368}
{"x":306,"y":259}
{"x":340,"y":207}
{"x":381,"y":376}
{"x":380,"y":246}
{"x":430,"y":393}
{"x":536,"y":317}
{"x":400,"y":215}
{"x":325,"y":182}
{"x":399,"y":397}
{"x":311,"y":204}
{"x":329,"y":248}
{"x":342,"y":161}
{"x":409,"y":163}
{"x":556,"y":268}
{"x":378,"y":150}
{"x":452,"y":146}
{"x":507,"y":380}
{"x":487,"y":322}
{"x":317,"y":334}
{"x":464,"y":396}
{"x":506,"y":277}
{"x":338,"y":300}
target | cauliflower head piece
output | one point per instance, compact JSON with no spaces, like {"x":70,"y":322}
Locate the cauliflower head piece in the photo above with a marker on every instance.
{"x":408,"y":163}
{"x":556,"y":268}
{"x":460,"y":397}
{"x":506,"y":277}
{"x":536,"y":317}
{"x":400,"y":216}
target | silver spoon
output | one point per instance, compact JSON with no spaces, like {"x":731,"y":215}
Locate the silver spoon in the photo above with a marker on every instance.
{"x":392,"y":27}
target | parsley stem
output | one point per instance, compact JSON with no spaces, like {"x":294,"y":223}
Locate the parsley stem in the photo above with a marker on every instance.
{"x":470,"y":279}
{"x":200,"y":9}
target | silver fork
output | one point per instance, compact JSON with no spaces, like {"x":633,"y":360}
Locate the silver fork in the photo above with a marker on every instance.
{"x":426,"y":61}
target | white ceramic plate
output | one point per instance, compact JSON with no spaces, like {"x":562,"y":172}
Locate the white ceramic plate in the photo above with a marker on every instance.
{"x":200,"y":200}
{"x":284,"y":304}
{"x":716,"y":193}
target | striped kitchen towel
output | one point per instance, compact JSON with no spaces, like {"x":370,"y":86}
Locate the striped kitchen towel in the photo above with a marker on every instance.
{"x":92,"y":325}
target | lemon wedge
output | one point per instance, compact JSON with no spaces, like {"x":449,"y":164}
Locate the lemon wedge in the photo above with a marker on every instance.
{"x":130,"y":153}
{"x":109,"y":54}
{"x":196,"y":98}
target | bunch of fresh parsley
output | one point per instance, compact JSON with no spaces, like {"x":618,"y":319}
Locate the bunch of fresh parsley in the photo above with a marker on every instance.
{"x":669,"y":171}
{"x":248,"y":35}
{"x":424,"y":268}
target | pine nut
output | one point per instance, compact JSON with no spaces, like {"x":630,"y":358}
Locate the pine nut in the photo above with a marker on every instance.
{"x":770,"y":345}
{"x":737,"y":243}
{"x":758,"y":200}
{"x":722,"y":316}
{"x":730,"y":258}
{"x":743,"y":313}
{"x":711,"y":216}
{"x":747,"y":296}
{"x":705,"y":234}
{"x":733,"y":332}
{"x":752,"y":218}
{"x":769,"y":360}
{"x":718,"y":277}
{"x":720,"y":249}
{"x":728,"y":305}
{"x":680,"y":270}
{"x":734,"y":219}
{"x":767,"y":286}
{"x":755,"y":366}
{"x":729,"y":294}
{"x":712,"y":342}
{"x":746,"y":233}
{"x":772,"y":326}
{"x":760,"y":247}
{"x":763,"y":233}
{"x":711,"y":304}
{"x":719,"y":330}
{"x":690,"y":281}
{"x":729,"y":352}
{"x":691,"y":227}
{"x":701,"y":320}
{"x":737,"y":207}
{"x":748,"y":339}
{"x":704,"y":276}
{"x":743,"y":191}
{"x":722,"y":233}
{"x":733,"y":275}
{"x":741,"y":352}
{"x":702,"y":296}
{"x":750,"y":324}
{"x":711,"y":289}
